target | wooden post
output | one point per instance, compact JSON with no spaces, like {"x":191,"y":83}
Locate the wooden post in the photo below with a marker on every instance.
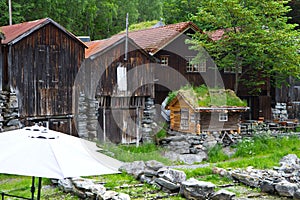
{"x":104,"y":128}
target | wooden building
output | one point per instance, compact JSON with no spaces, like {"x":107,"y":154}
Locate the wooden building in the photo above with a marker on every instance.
{"x":123,"y":81}
{"x":190,"y":114}
{"x":168,"y":45}
{"x":40,"y":60}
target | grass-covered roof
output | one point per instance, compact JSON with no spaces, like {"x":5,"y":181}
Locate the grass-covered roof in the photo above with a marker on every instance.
{"x":208,"y":97}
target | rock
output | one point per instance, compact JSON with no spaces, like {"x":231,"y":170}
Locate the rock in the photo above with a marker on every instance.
{"x":173,"y":187}
{"x":246,"y":178}
{"x":181,"y":147}
{"x":223,"y":195}
{"x":172,"y":175}
{"x":98,"y":189}
{"x":289,"y":163}
{"x":194,"y":189}
{"x":286,"y":189}
{"x":154,"y":165}
{"x":121,"y":196}
{"x":297,"y":195}
{"x":186,"y":158}
{"x":193,"y":158}
{"x":81,"y":183}
{"x":267,"y":186}
{"x":79,"y":193}
{"x":135,"y":168}
{"x":221,"y":172}
{"x":108,"y":195}
{"x":65,"y":184}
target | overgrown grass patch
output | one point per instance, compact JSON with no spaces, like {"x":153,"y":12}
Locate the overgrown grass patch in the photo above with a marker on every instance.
{"x":216,"y":154}
{"x":130,"y":153}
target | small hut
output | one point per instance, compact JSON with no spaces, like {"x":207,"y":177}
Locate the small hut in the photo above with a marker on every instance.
{"x":198,"y":110}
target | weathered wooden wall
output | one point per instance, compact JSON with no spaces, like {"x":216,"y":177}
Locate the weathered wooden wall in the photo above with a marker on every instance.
{"x":126,"y":104}
{"x":209,"y":120}
{"x":41,"y":68}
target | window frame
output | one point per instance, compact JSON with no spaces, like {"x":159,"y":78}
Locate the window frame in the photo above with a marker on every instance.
{"x":164,"y":60}
{"x":223,"y":117}
{"x":199,"y":67}
{"x":184,"y":118}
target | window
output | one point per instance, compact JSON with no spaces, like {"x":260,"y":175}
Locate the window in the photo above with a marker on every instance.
{"x":195,"y":66}
{"x":232,"y":70}
{"x":164,"y":60}
{"x":223,"y":117}
{"x":184,"y":119}
{"x":192,"y":118}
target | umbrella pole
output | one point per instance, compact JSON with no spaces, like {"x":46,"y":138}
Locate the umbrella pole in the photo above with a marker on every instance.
{"x":32,"y":188}
{"x":39,"y":189}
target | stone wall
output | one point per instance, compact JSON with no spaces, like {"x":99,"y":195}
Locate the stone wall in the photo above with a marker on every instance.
{"x":283,"y":181}
{"x":9,"y":111}
{"x":174,"y":181}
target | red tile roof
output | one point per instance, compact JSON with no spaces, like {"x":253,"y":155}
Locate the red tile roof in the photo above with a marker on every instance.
{"x":151,"y":39}
{"x":154,"y":39}
{"x":97,"y":46}
{"x":14,"y":33}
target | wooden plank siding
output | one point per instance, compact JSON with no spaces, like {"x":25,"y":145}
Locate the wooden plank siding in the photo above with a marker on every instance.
{"x":207,"y":119}
{"x":42,"y":71}
{"x":120,"y":112}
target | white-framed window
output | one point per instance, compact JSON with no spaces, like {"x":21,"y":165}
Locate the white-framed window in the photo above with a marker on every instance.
{"x":192,"y":118}
{"x":184,"y":119}
{"x":164,"y":60}
{"x":232,"y":70}
{"x":195,"y":66}
{"x":223,"y":117}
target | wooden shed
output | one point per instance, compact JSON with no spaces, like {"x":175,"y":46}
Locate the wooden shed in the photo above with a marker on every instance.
{"x":124,"y":81}
{"x":40,"y":60}
{"x":191,"y":113}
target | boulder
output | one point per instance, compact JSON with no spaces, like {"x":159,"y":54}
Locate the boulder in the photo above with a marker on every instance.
{"x":286,"y":189}
{"x":267,"y":186}
{"x":251,"y":180}
{"x":65,"y":184}
{"x":107,"y":195}
{"x":135,"y":168}
{"x":194,"y":189}
{"x":173,"y":187}
{"x":289,"y":163}
{"x":154,"y":165}
{"x":121,"y":196}
{"x":297,"y":195}
{"x":223,"y":195}
{"x":172,"y":175}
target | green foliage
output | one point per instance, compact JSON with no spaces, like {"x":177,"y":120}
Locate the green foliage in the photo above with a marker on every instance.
{"x":208,"y":96}
{"x":162,"y":133}
{"x":256,"y":38}
{"x":130,"y":153}
{"x":216,"y":154}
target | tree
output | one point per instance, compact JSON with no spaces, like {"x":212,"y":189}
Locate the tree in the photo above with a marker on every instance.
{"x":175,"y":11}
{"x":256,"y":38}
{"x":149,"y":10}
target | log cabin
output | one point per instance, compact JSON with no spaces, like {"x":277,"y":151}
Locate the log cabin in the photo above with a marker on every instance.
{"x":40,"y":60}
{"x":213,"y":110}
{"x":123,"y":83}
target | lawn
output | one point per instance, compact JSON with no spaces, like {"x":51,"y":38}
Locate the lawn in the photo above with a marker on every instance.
{"x":262,"y":152}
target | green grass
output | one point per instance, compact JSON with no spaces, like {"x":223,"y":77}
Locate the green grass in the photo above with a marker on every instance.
{"x":21,"y":186}
{"x":261,"y":152}
{"x":130,"y":153}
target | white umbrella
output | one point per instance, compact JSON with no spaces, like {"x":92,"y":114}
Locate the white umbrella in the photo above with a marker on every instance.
{"x":39,"y":152}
